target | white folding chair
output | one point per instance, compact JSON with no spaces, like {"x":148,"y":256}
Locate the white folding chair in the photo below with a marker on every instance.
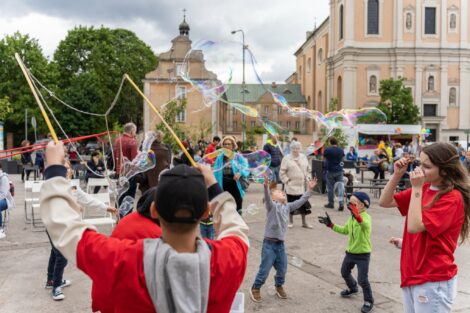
{"x":36,"y":222}
{"x":29,"y":199}
{"x":107,"y":218}
{"x":95,"y":182}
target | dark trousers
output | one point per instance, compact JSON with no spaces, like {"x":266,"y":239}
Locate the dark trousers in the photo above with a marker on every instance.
{"x":378,"y":171}
{"x":232,"y":188}
{"x":130,"y":192}
{"x":56,"y":266}
{"x":362,"y":263}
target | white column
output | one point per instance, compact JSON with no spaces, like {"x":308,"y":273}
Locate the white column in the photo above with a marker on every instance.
{"x":444,"y":23}
{"x":349,"y":14}
{"x":464,"y":96}
{"x":147,"y":117}
{"x":418,"y":88}
{"x":463,"y":20}
{"x":349,"y":88}
{"x":332,"y":37}
{"x":418,"y":22}
{"x":444,"y":94}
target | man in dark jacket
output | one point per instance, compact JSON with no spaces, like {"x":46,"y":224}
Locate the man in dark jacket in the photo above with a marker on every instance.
{"x":334,"y":166}
{"x":163,"y":160}
{"x":273,"y":149}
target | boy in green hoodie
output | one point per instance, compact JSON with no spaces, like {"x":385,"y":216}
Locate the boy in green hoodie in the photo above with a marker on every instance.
{"x":358,"y":227}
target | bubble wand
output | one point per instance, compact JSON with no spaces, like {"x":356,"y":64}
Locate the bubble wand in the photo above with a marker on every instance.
{"x":178,"y":141}
{"x":33,"y":90}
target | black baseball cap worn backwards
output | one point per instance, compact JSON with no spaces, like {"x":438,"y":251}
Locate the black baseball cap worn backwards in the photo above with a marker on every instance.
{"x":181,"y":187}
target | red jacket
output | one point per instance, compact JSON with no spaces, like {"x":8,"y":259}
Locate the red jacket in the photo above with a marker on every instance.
{"x":128,"y":149}
{"x":118,"y":268}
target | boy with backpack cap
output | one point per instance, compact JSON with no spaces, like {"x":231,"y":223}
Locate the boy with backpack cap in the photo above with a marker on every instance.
{"x":358,"y":228}
{"x":178,"y":272}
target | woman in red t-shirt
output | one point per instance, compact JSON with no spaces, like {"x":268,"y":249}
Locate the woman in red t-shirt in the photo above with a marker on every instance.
{"x":437,"y":211}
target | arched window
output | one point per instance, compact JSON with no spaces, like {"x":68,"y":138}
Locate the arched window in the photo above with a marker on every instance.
{"x":309,"y":65}
{"x":341,"y":22}
{"x":373,"y":84}
{"x":300,"y":72}
{"x":431,"y":83}
{"x":452,"y":96}
{"x":339,"y":93}
{"x":373,"y":17}
{"x":320,"y":56}
{"x":319,"y":102}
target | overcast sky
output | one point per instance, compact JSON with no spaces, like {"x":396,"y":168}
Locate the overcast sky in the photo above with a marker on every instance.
{"x":274,"y":29}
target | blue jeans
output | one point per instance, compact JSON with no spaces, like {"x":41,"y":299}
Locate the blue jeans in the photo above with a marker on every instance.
{"x":56,"y":266}
{"x":207,"y":231}
{"x":272,"y":255}
{"x":331,"y":179}
{"x":362,"y":262}
{"x":3,"y":207}
{"x":275,"y":170}
{"x":436,"y":297}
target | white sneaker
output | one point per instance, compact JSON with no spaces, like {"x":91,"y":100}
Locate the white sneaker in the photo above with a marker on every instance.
{"x":290,"y":225}
{"x":2,"y":234}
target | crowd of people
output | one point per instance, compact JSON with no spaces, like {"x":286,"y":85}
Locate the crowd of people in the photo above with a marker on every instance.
{"x":190,"y":220}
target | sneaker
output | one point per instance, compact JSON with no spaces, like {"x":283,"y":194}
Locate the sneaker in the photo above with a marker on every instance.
{"x":346,"y":293}
{"x":367,"y":307}
{"x":329,"y":206}
{"x":2,"y":234}
{"x":255,"y":294}
{"x":65,"y":283}
{"x":307,"y":226}
{"x":57,"y":294}
{"x":281,"y":292}
{"x":341,"y":207}
{"x":290,"y":225}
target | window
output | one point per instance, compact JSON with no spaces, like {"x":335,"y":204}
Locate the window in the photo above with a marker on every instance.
{"x":453,"y":138}
{"x":373,"y":17}
{"x":180,"y":92}
{"x":288,"y":125}
{"x":430,"y":21}
{"x":234,"y":111}
{"x":234,"y":125}
{"x":300,"y":72}
{"x":319,"y":102}
{"x":429,"y":110}
{"x":253,"y":124}
{"x":309,"y":65}
{"x":320,"y":56}
{"x":297,"y":125}
{"x":431,"y":83}
{"x":452,"y":96}
{"x":341,"y":22}
{"x":279,"y":110}
{"x":181,"y":117}
{"x":373,"y":84}
{"x":180,"y":68}
{"x":266,"y":109}
{"x":432,"y":135}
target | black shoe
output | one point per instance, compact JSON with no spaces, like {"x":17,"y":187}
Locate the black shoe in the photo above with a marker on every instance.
{"x":346,"y":293}
{"x":341,"y":207}
{"x":367,"y":307}
{"x":329,"y":206}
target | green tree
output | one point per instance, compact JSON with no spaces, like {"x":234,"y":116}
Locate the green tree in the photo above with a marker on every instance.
{"x":337,"y":132}
{"x":5,"y":108}
{"x":90,"y":63}
{"x":13,"y":85}
{"x":397,"y":102}
{"x":172,"y":109}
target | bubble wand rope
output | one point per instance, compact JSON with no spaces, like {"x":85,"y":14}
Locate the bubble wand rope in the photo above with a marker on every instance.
{"x":33,"y":90}
{"x":178,"y":141}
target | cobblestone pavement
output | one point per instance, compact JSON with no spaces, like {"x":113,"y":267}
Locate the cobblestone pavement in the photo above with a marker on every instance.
{"x":313,"y":279}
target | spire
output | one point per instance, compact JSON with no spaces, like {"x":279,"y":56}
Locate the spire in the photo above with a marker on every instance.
{"x":184,"y":27}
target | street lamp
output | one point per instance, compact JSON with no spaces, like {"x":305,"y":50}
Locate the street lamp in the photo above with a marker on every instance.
{"x":243,"y":81}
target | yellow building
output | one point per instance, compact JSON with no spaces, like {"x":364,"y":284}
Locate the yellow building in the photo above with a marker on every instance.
{"x":364,"y":41}
{"x":165,"y":84}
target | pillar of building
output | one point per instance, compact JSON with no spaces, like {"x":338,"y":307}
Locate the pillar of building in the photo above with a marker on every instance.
{"x":464,"y":112}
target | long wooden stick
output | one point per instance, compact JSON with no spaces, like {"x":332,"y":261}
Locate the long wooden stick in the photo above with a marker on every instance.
{"x":178,"y":141}
{"x":33,"y":90}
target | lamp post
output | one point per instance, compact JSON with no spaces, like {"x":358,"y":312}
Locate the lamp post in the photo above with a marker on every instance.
{"x":243,"y":81}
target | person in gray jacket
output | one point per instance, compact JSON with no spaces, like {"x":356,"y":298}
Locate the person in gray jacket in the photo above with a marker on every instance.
{"x":273,"y":252}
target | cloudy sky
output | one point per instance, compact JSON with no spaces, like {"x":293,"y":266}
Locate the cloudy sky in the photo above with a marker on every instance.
{"x":274,"y":29}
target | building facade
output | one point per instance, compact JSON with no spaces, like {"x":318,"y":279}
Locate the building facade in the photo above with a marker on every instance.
{"x":165,"y":84}
{"x":427,"y":42}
